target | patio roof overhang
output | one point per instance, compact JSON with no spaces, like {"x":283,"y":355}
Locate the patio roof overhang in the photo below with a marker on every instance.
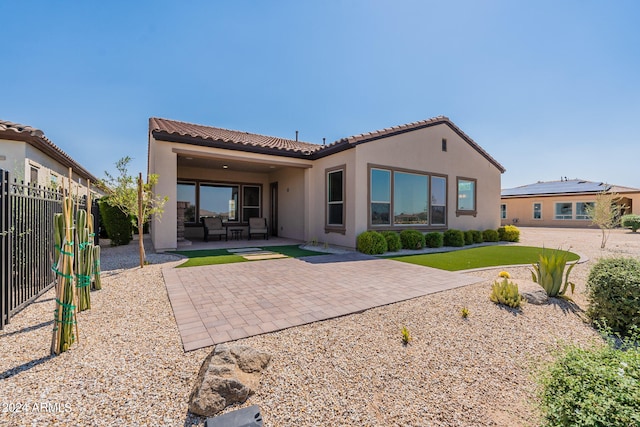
{"x":237,"y":160}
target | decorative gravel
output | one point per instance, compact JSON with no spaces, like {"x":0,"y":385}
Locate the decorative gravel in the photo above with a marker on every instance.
{"x":129,"y":368}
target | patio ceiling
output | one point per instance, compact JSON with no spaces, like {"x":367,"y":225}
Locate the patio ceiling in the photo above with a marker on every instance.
{"x":195,"y":159}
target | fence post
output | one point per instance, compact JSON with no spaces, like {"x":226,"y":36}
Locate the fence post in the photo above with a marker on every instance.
{"x":5,"y":254}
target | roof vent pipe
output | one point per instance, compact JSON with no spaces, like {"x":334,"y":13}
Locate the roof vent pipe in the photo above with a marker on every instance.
{"x":324,"y":140}
{"x":296,"y":136}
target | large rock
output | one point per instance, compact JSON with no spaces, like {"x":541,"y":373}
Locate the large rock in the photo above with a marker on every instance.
{"x":228,"y":375}
{"x":532,"y":292}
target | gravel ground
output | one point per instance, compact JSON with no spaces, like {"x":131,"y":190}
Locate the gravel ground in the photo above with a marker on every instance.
{"x":129,"y":368}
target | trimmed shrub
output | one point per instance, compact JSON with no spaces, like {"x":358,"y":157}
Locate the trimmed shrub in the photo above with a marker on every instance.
{"x":453,"y":237}
{"x":509,"y":233}
{"x":371,"y":243}
{"x":412,"y":239}
{"x":592,"y":387}
{"x":477,"y":236}
{"x":116,"y":223}
{"x":433,"y":239}
{"x":613,"y":290}
{"x":490,"y":235}
{"x":631,"y":221}
{"x":393,"y":241}
{"x":468,"y":237}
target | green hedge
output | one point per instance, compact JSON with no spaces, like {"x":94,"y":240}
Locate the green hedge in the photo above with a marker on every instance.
{"x":116,"y":223}
{"x":477,"y":236}
{"x":434,"y":239}
{"x":453,"y":237}
{"x":490,"y":235}
{"x":613,"y":290}
{"x":371,"y":243}
{"x":393,"y":241}
{"x":412,"y":239}
{"x":631,"y":221}
{"x":468,"y":237}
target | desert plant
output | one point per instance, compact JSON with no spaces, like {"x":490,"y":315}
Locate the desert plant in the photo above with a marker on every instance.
{"x":393,"y":241}
{"x":464,"y":312}
{"x":406,"y":335}
{"x":477,"y":236}
{"x":433,"y":239}
{"x":490,"y":235}
{"x":605,"y":213}
{"x":371,"y":243}
{"x":592,"y":387}
{"x":550,"y":271}
{"x":453,"y":237}
{"x":468,"y":237}
{"x":506,"y":293}
{"x":504,"y":275}
{"x":509,"y":233}
{"x":630,"y":221}
{"x":412,"y":239}
{"x":613,"y":290}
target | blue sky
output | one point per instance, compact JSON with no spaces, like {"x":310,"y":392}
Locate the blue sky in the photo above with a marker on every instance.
{"x":548,"y":88}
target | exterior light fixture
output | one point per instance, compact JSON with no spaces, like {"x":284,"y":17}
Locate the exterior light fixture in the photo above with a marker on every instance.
{"x":225,"y":166}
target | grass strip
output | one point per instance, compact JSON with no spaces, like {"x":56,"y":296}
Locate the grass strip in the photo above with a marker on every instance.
{"x":222,"y":256}
{"x":485,"y":256}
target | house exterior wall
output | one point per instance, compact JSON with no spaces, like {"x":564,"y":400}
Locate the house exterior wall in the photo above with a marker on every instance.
{"x":163,"y":161}
{"x":12,"y":157}
{"x":520,"y":209}
{"x":291,"y":206}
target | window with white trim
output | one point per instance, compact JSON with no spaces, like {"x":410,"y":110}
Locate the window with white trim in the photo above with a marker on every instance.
{"x":537,"y":211}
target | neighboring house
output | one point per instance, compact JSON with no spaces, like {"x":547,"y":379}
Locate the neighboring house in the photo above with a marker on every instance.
{"x":32,"y":158}
{"x":560,"y":203}
{"x":427,"y":175}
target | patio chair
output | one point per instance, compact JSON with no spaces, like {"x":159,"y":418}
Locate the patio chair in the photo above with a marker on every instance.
{"x":258,"y":226}
{"x":214,"y":227}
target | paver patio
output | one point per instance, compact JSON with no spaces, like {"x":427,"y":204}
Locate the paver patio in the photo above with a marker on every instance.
{"x":219,"y":303}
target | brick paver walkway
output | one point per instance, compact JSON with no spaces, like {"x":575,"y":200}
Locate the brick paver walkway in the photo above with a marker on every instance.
{"x":219,"y":303}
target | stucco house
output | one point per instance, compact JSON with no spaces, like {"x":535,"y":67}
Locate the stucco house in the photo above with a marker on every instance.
{"x":426,"y":175}
{"x":32,"y":158}
{"x":560,"y":203}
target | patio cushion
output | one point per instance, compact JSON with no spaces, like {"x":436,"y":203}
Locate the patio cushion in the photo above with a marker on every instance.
{"x":258,"y":226}
{"x":213,"y":227}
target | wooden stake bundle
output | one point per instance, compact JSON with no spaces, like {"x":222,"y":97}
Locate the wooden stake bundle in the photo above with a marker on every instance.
{"x":66,"y":302}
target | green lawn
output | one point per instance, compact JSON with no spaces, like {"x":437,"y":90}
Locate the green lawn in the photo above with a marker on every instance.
{"x":485,"y":256}
{"x":223,"y":256}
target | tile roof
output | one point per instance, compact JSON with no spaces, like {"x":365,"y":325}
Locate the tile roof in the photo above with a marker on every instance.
{"x":18,"y":132}
{"x":571,"y":186}
{"x":177,"y":131}
{"x":226,"y":136}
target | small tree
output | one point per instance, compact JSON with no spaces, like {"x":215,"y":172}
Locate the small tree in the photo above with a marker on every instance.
{"x":134,"y":197}
{"x":605,"y":213}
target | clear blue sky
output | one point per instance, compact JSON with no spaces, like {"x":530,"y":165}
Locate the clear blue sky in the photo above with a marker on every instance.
{"x":548,"y":88}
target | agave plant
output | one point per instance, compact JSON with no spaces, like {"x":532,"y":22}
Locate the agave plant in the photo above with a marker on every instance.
{"x":549,"y":273}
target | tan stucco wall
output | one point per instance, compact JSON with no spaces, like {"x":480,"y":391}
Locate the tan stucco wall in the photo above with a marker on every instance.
{"x":520,"y":210}
{"x":163,"y":161}
{"x":14,"y":156}
{"x":291,"y":206}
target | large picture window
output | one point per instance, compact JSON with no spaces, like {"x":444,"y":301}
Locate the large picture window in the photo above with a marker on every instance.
{"x":380,"y":197}
{"x":581,"y":210}
{"x":466,"y":196}
{"x":219,"y":201}
{"x":406,"y":198}
{"x":564,"y":210}
{"x":410,"y":202}
{"x":187,"y":193}
{"x":335,"y":198}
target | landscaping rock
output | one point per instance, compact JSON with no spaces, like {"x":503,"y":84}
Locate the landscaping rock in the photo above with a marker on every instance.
{"x":228,"y":375}
{"x":532,"y":292}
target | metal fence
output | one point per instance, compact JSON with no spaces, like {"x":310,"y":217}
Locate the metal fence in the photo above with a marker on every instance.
{"x":27,"y":242}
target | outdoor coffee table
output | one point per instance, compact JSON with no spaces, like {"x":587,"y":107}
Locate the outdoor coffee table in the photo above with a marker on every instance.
{"x":236,"y":233}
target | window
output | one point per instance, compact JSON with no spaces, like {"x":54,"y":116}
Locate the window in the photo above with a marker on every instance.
{"x":33,"y":176}
{"x":466,"y":196}
{"x":537,"y":211}
{"x":503,"y":211}
{"x":250,"y":202}
{"x":398,"y":197}
{"x":187,"y":193}
{"x":335,"y":198}
{"x":564,"y":211}
{"x":53,"y":180}
{"x":581,"y":210}
{"x":444,"y":144}
{"x":380,"y":197}
{"x":219,"y":201}
{"x":438,"y":200}
{"x":410,"y":202}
